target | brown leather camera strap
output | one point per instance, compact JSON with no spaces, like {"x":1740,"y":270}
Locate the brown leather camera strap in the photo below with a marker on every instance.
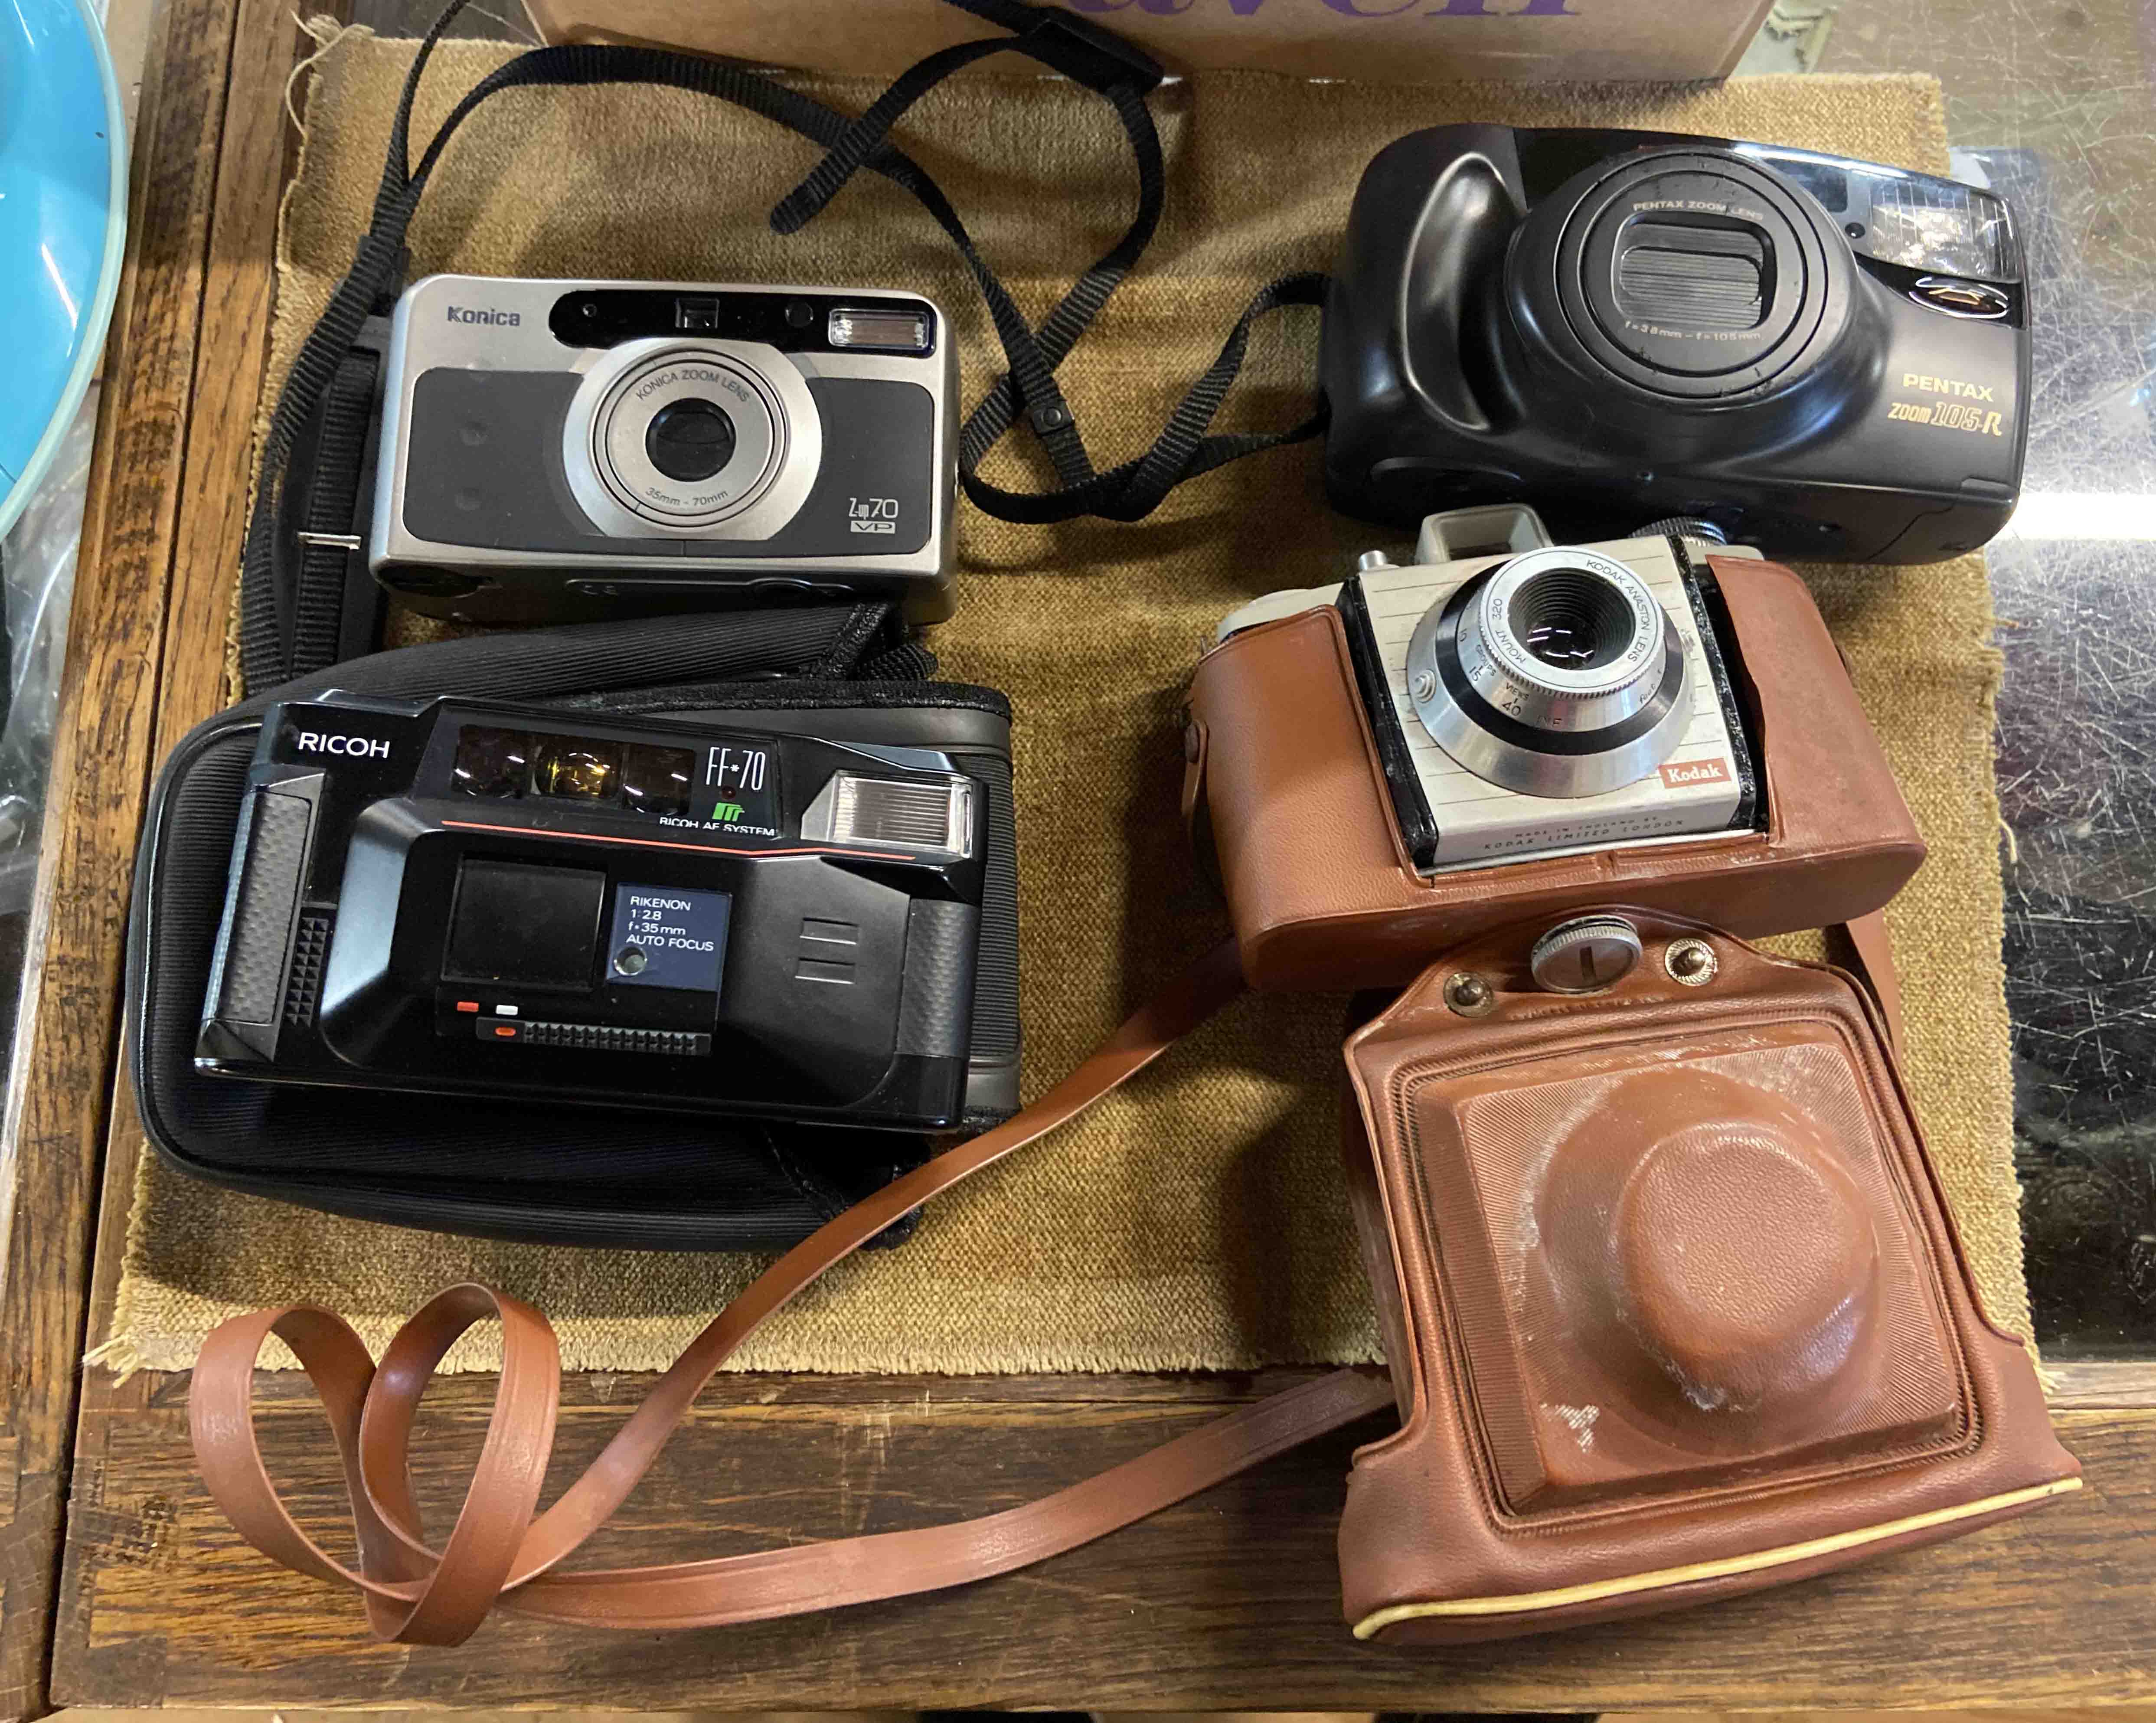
{"x":497,"y":1553}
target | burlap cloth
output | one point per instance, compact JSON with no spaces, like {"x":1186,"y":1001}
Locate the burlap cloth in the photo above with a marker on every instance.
{"x":1197,"y":1221}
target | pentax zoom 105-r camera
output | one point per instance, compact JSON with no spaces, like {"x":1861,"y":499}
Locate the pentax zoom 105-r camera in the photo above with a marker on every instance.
{"x":466,"y":898}
{"x":550,"y":450}
{"x":1820,"y":357}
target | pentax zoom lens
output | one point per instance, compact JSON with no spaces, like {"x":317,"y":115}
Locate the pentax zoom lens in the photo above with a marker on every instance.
{"x":1828,"y":359}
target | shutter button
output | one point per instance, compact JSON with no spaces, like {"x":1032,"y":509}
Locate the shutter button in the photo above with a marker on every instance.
{"x":1960,"y":299}
{"x":1585,"y":954}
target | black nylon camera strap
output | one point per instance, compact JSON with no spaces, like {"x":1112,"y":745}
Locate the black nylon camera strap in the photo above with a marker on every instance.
{"x":284,"y":634}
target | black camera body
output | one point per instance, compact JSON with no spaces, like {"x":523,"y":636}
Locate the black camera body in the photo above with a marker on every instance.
{"x":460,"y":897}
{"x":1823,"y":359}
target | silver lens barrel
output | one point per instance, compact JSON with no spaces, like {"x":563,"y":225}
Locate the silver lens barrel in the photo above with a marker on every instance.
{"x":690,"y":438}
{"x":1557,"y":673}
{"x":622,"y":435}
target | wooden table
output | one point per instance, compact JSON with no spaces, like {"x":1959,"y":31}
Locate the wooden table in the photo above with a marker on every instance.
{"x":119,"y":1585}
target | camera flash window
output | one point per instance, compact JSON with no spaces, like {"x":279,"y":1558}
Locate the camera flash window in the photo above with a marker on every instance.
{"x":887,"y":330}
{"x":893,"y":813}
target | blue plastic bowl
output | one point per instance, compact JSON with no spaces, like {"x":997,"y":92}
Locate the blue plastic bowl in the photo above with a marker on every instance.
{"x":63,"y":227}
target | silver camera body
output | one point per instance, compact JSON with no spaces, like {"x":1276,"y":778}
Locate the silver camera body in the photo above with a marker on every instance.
{"x":552,"y":450}
{"x":1530,"y":699}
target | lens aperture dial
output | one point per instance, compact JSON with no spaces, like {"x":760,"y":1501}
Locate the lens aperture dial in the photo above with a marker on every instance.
{"x":1557,"y":673}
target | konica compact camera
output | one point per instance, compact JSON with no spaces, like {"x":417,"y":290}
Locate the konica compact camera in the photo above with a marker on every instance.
{"x":466,"y":898}
{"x":1820,"y":357}
{"x":1510,"y":727}
{"x":555,"y":449}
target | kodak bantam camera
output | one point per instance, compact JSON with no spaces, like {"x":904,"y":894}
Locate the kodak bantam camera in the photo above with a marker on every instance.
{"x":551,"y":450}
{"x":1508,"y":727}
{"x":1824,"y":358}
{"x":457,"y":897}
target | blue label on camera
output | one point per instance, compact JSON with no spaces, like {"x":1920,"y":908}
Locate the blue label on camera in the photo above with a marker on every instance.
{"x":668,"y":936}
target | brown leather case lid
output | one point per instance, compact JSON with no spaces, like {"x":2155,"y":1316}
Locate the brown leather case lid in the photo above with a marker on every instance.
{"x":1323,"y":896}
{"x":1675,"y":1307}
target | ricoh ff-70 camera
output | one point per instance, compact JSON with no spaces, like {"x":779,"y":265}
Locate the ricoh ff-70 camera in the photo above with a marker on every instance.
{"x":1820,"y":357}
{"x":752,"y":916}
{"x":554,"y":450}
{"x":1509,"y":727}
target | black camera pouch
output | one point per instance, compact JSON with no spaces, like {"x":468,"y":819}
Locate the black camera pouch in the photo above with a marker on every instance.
{"x":548,"y":1173}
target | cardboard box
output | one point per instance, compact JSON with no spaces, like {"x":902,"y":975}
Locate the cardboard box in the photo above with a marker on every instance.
{"x":1390,"y":41}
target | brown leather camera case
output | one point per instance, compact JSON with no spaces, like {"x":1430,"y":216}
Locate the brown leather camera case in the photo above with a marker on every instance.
{"x":1282,"y":766}
{"x":1673,"y":1305}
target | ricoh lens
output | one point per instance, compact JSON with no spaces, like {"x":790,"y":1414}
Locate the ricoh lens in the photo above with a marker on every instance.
{"x":689,"y":439}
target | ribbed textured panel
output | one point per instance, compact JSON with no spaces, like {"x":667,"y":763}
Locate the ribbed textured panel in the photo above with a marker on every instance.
{"x":311,"y":956}
{"x":935,"y":1006}
{"x":262,"y":923}
{"x":614,"y":1038}
{"x":995,"y":972}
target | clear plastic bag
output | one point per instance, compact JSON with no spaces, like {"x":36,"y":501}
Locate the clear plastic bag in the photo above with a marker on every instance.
{"x":37,"y":585}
